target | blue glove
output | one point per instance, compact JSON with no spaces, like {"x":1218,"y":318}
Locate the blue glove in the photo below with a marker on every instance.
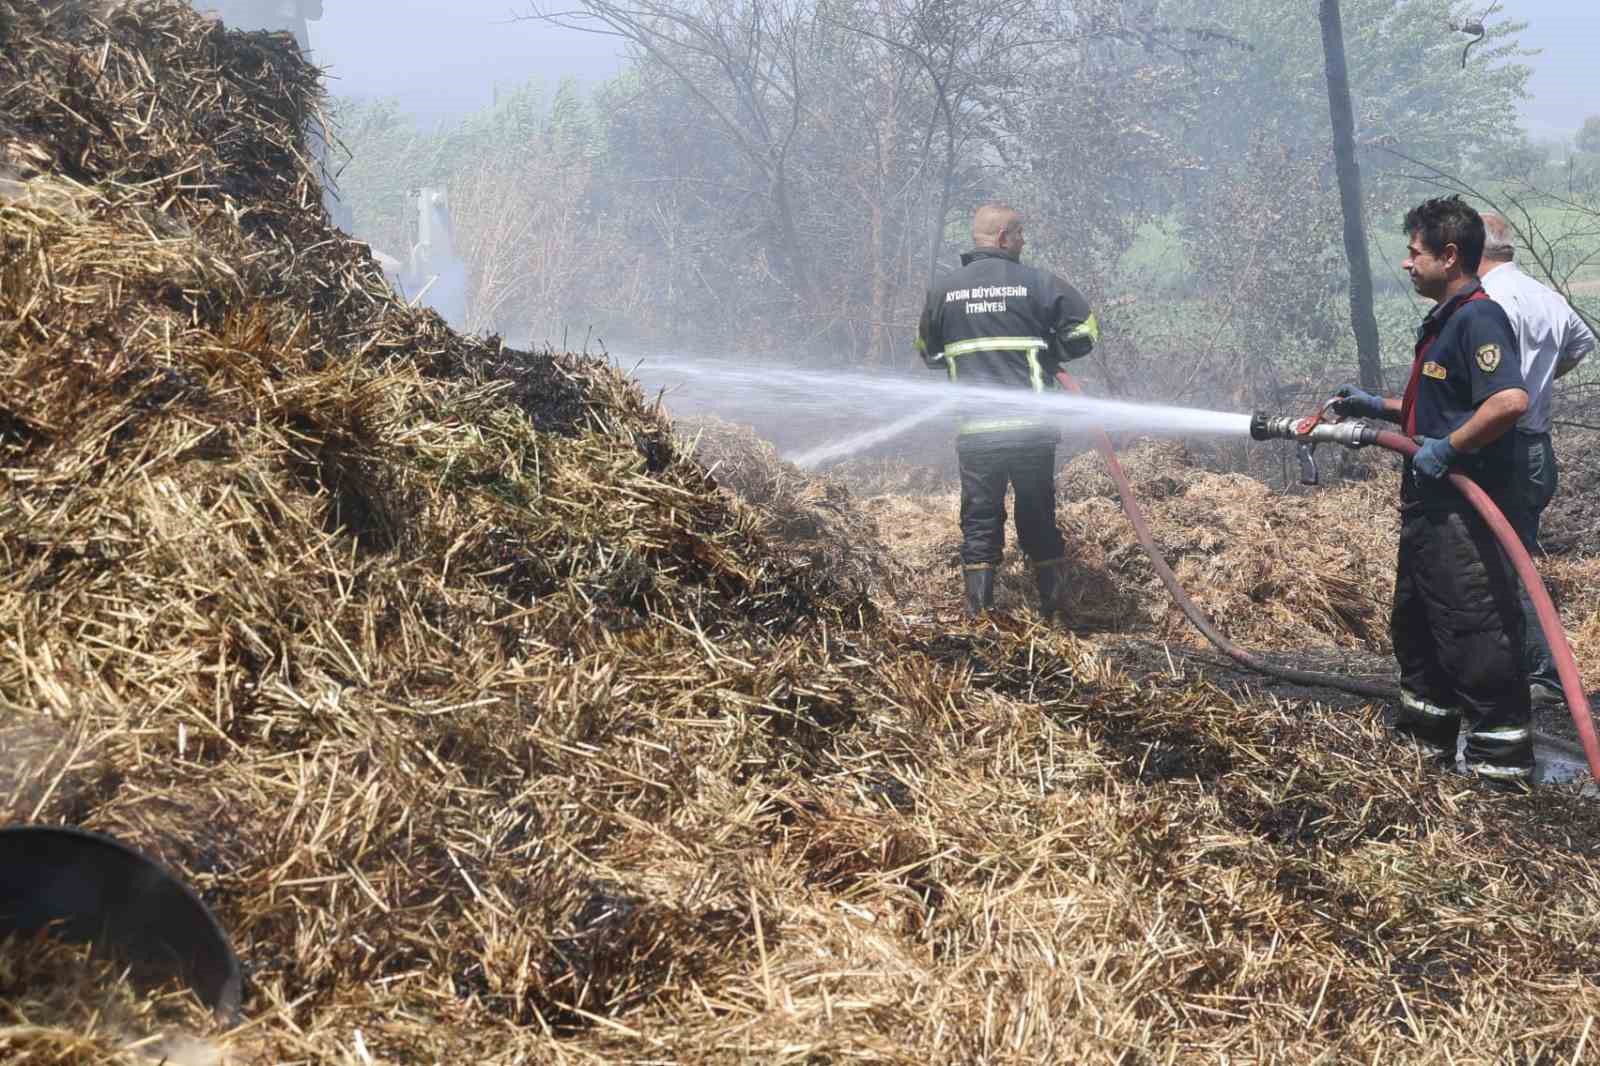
{"x":1356,"y":402}
{"x":1433,"y":459}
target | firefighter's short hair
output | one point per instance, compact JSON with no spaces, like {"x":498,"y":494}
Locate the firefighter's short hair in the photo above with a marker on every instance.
{"x":987,"y":214}
{"x":1448,"y":220}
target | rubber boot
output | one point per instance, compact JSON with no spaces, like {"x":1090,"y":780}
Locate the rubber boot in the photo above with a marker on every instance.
{"x":980,"y":588}
{"x":1052,"y":577}
{"x":1544,"y":698}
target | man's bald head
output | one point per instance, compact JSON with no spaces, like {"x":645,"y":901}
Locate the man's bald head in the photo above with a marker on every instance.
{"x":999,"y":227}
{"x":1499,"y":244}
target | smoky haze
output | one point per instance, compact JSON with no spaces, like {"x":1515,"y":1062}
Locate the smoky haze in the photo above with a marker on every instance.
{"x":1564,"y":86}
{"x":778,"y":182}
{"x":442,"y":59}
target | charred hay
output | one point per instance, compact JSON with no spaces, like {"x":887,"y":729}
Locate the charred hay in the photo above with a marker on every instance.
{"x":814,"y":520}
{"x":495,"y":732}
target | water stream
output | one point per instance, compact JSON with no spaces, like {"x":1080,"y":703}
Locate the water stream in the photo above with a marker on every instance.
{"x":818,"y":416}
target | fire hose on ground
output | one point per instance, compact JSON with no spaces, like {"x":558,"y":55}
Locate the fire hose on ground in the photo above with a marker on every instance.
{"x":1356,"y":434}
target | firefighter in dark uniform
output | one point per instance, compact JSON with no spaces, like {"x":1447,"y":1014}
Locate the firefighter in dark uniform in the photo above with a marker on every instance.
{"x":1457,"y":622}
{"x":997,"y":323}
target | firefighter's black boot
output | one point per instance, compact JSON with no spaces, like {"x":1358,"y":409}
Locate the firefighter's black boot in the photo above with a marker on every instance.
{"x":1052,"y":575}
{"x":980,"y":588}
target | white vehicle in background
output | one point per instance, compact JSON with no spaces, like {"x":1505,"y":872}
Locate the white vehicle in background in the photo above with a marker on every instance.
{"x":291,"y":17}
{"x":432,"y":272}
{"x":274,"y":16}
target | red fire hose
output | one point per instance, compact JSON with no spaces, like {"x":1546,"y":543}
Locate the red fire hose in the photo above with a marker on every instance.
{"x":1549,"y":620}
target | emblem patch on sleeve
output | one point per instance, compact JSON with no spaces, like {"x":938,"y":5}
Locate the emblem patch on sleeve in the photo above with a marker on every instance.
{"x":1430,"y":369}
{"x":1489,"y":358}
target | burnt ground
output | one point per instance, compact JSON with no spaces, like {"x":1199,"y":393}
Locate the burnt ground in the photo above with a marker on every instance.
{"x":1573,"y":517}
{"x":1145,"y":658}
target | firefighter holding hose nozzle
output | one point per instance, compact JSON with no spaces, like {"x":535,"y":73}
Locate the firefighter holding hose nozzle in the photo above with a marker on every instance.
{"x":1457,"y":624}
{"x":998,"y":323}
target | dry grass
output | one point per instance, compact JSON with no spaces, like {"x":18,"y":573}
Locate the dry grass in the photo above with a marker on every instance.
{"x":495,"y":732}
{"x":1311,"y":571}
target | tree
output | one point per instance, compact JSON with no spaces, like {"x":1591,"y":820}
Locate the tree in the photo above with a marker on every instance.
{"x":1589,"y":136}
{"x":974,"y":57}
{"x":1362,"y":318}
{"x":744,"y":61}
{"x":1406,"y":73}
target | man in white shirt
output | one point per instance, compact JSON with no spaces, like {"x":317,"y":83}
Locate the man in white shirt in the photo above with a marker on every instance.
{"x":1553,"y":339}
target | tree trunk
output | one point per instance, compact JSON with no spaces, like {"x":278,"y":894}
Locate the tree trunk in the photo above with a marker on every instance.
{"x":943,"y":210}
{"x":1362,"y":319}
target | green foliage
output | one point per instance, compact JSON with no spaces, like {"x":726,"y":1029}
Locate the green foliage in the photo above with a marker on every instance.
{"x":389,"y":154}
{"x":1406,"y":78}
{"x":1588,"y":139}
{"x":1156,"y":257}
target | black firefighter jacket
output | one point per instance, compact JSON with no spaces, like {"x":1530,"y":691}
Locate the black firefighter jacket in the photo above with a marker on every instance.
{"x":996,"y":322}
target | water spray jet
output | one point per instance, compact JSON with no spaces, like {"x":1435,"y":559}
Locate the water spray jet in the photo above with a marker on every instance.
{"x":849,"y":412}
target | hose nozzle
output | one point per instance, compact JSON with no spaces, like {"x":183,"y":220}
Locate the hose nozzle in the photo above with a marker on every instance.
{"x":1271,"y":427}
{"x":1310,"y":431}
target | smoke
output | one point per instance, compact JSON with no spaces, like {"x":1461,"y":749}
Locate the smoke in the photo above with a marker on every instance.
{"x":185,"y":1051}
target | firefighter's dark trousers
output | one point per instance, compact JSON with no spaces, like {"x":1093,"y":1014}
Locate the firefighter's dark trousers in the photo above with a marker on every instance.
{"x":990,"y":462}
{"x":1457,"y":631}
{"x":1536,"y":478}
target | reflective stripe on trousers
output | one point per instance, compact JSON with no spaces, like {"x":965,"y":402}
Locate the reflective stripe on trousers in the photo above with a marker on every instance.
{"x":1428,"y":723}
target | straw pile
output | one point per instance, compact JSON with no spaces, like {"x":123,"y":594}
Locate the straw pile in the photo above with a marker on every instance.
{"x":495,"y":733}
{"x":1305,"y":571}
{"x":814,"y":520}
